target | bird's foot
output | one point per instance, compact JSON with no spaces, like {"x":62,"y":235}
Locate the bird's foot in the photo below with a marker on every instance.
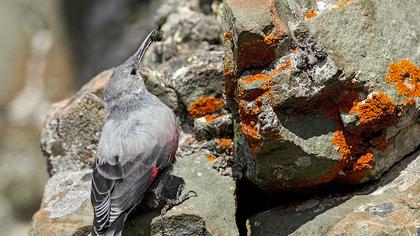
{"x":180,"y":198}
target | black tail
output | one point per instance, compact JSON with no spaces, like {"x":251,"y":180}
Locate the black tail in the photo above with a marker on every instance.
{"x":115,"y":229}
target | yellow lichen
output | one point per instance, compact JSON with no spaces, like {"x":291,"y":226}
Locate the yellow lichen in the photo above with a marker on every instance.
{"x":341,"y":4}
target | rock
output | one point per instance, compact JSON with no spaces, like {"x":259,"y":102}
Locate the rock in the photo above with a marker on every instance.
{"x":156,"y":86}
{"x":73,"y":127}
{"x":194,"y":76}
{"x":390,"y":206}
{"x":298,"y":93}
{"x":188,"y":61}
{"x":188,"y":26}
{"x":66,"y":208}
{"x":208,"y":127}
{"x":211,"y":213}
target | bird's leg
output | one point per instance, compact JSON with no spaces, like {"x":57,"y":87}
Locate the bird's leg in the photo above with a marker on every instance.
{"x":180,"y":198}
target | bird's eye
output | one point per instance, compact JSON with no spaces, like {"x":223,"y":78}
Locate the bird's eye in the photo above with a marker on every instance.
{"x":133,"y":72}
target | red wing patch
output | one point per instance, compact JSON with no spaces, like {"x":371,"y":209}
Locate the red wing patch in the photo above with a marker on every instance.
{"x":155,"y":171}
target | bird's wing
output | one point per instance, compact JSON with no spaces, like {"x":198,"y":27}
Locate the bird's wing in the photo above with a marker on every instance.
{"x":126,"y":165}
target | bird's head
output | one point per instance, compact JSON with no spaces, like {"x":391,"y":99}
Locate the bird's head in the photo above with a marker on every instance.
{"x":127,"y":82}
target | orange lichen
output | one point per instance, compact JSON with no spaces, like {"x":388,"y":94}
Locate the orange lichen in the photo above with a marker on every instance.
{"x":286,"y":65}
{"x":257,"y":53}
{"x":348,"y":144}
{"x":228,"y":36}
{"x":341,"y":142}
{"x":249,"y":130}
{"x":376,"y":112}
{"x":271,"y":40}
{"x":406,"y":77}
{"x":364,"y":162}
{"x":252,"y":78}
{"x":211,"y":158}
{"x":359,"y":168}
{"x":356,"y":158}
{"x":341,"y":4}
{"x":211,"y":118}
{"x":189,"y":138}
{"x":267,"y":76}
{"x":410,"y":102}
{"x":248,"y":113}
{"x":224,"y":143}
{"x":205,"y":106}
{"x":310,"y":14}
{"x":229,"y":73}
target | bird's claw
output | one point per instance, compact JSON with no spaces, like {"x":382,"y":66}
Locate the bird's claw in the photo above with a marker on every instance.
{"x":180,"y":198}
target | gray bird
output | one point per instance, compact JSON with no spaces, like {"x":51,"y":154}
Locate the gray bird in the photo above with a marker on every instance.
{"x":138,"y":142}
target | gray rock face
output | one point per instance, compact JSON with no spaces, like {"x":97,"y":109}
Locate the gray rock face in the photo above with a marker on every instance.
{"x":305,"y":83}
{"x":211,"y":213}
{"x":195,"y":75}
{"x":188,"y":26}
{"x":388,"y":207}
{"x":73,"y":127}
{"x":66,"y":208}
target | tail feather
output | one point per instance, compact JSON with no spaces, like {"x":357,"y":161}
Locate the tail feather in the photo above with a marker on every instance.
{"x":115,"y":229}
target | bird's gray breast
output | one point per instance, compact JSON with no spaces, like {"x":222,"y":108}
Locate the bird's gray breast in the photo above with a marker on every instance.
{"x":137,"y":133}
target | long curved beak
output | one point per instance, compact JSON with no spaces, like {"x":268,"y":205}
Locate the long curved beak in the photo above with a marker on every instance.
{"x":154,"y":36}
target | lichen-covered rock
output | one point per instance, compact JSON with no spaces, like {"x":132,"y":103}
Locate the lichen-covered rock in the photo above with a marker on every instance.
{"x":195,"y":75}
{"x":389,"y":207}
{"x":188,"y":61}
{"x":313,"y":100}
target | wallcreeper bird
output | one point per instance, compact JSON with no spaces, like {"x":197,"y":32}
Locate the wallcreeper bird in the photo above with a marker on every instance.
{"x":138,"y":142}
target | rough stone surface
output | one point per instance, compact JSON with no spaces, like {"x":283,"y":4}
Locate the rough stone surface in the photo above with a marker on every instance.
{"x":66,"y":209}
{"x":187,"y":64}
{"x":73,"y":126}
{"x":195,"y":75}
{"x":188,"y":26}
{"x":388,"y":207}
{"x":211,"y":213}
{"x":314,"y":94}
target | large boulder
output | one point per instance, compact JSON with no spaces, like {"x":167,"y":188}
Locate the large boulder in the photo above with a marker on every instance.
{"x":66,"y":208}
{"x":323,"y":92}
{"x":73,"y":127}
{"x":388,"y":207}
